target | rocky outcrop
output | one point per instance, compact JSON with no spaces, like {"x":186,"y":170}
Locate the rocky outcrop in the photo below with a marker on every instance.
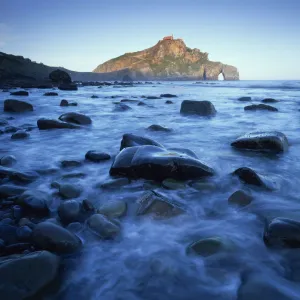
{"x":170,"y":59}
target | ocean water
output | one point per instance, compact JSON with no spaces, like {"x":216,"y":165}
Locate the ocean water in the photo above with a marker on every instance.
{"x":148,"y":260}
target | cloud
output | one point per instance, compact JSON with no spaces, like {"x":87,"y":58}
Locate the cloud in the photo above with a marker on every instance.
{"x":5,"y":34}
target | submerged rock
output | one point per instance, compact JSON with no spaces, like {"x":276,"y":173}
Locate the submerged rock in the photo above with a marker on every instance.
{"x":65,"y":102}
{"x":240,"y":198}
{"x":152,"y":97}
{"x":96,"y":156}
{"x":168,"y":96}
{"x":24,"y":276}
{"x":3,"y":122}
{"x":131,"y":140}
{"x":45,"y":124}
{"x":51,"y":94}
{"x":244,"y":99}
{"x":169,"y":102}
{"x":69,"y":191}
{"x":9,"y":190}
{"x":19,"y":93}
{"x":269,"y":100}
{"x":70,"y":163}
{"x":158,"y":128}
{"x":20,"y":134}
{"x":260,"y":107}
{"x":122,"y":107}
{"x":24,"y":177}
{"x":172,"y":184}
{"x":36,"y":200}
{"x":69,"y":211}
{"x":94,"y":97}
{"x":263,"y":141}
{"x":151,"y":162}
{"x":103,"y":227}
{"x":11,"y":105}
{"x":8,"y":160}
{"x":76,"y":118}
{"x":114,"y":183}
{"x":113,"y":209}
{"x":202,"y":108}
{"x":68,"y":87}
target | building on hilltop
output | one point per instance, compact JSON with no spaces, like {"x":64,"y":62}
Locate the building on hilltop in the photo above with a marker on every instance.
{"x":167,"y":38}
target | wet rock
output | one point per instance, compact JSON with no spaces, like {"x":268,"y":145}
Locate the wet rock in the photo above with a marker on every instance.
{"x":121,"y":107}
{"x":129,"y":100}
{"x":172,"y":184}
{"x":168,"y":96}
{"x":207,"y":247}
{"x":141,"y":103}
{"x":8,"y":233}
{"x":11,"y":129}
{"x":273,"y":141}
{"x":35,"y":200}
{"x":75,"y":227}
{"x":269,"y":100}
{"x":131,"y":140}
{"x":59,"y":76}
{"x":154,"y":163}
{"x":88,"y":205}
{"x":67,"y":103}
{"x":69,"y":191}
{"x":244,"y":99}
{"x":26,"y":222}
{"x":11,"y":105}
{"x":169,"y":102}
{"x":240,"y":198}
{"x":55,"y":185}
{"x":255,"y":107}
{"x":19,"y":93}
{"x":51,"y":94}
{"x":68,"y":87}
{"x":24,"y":233}
{"x":24,"y":276}
{"x":20,"y":134}
{"x":155,"y":204}
{"x":103,"y":227}
{"x":28,"y":127}
{"x":94,"y":97}
{"x":96,"y":156}
{"x":199,"y":185}
{"x":17,"y":212}
{"x":249,"y":176}
{"x":45,"y":124}
{"x":8,"y":160}
{"x":74,"y":175}
{"x":155,"y":127}
{"x":76,"y":118}
{"x":70,"y":163}
{"x":54,"y":238}
{"x":282,"y":232}
{"x":8,"y":190}
{"x":113,"y":209}
{"x":69,"y":211}
{"x":14,"y":175}
{"x":114,"y":183}
{"x":3,"y":122}
{"x":202,"y":108}
{"x":152,"y":97}
{"x":185,"y":151}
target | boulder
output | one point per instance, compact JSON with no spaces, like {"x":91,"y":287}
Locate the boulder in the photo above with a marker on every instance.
{"x":244,"y":99}
{"x":269,"y":100}
{"x":207,"y":247}
{"x":201,"y":108}
{"x":155,"y":163}
{"x":24,"y":276}
{"x":54,"y":238}
{"x":51,"y":94}
{"x":69,"y":211}
{"x":65,"y":102}
{"x":141,"y":103}
{"x":8,"y":160}
{"x":9,"y":190}
{"x":36,"y":200}
{"x":19,"y":93}
{"x":155,"y":127}
{"x":12,"y":174}
{"x":68,"y":87}
{"x":240,"y":198}
{"x":113,"y":209}
{"x":45,"y":124}
{"x":168,"y":96}
{"x":103,"y":227}
{"x":96,"y":156}
{"x":76,"y":118}
{"x":131,"y":140}
{"x":255,"y":107}
{"x":273,"y":141}
{"x":155,"y":204}
{"x":121,"y":107}
{"x":20,"y":134}
{"x":69,"y":191}
{"x":59,"y":76}
{"x":11,"y":105}
{"x":169,"y":102}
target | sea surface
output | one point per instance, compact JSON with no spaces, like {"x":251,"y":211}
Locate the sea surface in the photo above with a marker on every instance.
{"x":148,"y":261}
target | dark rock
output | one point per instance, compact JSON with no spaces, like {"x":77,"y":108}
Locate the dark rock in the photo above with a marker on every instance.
{"x":59,"y":76}
{"x":155,"y":127}
{"x":168,"y":96}
{"x":51,"y":94}
{"x":15,"y":175}
{"x":255,"y":107}
{"x":88,"y":205}
{"x":263,"y":141}
{"x":169,"y":102}
{"x":19,"y":93}
{"x":8,"y":233}
{"x":26,"y":222}
{"x":69,"y":191}
{"x":151,"y":162}
{"x":121,"y":107}
{"x":244,"y":99}
{"x":17,"y":212}
{"x":20,"y":134}
{"x":11,"y":129}
{"x":24,"y":233}
{"x":69,"y":211}
{"x":113,"y":209}
{"x":7,"y":221}
{"x":51,"y":237}
{"x":76,"y":118}
{"x":240,"y":198}
{"x":68,"y":87}
{"x":67,"y":103}
{"x":141,"y":103}
{"x":131,"y":140}
{"x":74,"y":175}
{"x":45,"y":124}
{"x":35,"y":200}
{"x":8,"y":160}
{"x":152,"y":97}
{"x":7,"y":190}
{"x":114,"y":183}
{"x":75,"y":227}
{"x":70,"y":163}
{"x":3,"y":122}
{"x":24,"y":276}
{"x":202,"y":108}
{"x":96,"y":156}
{"x":11,"y":105}
{"x":207,"y":247}
{"x":172,"y":184}
{"x":28,"y":127}
{"x":129,"y":100}
{"x":127,"y":78}
{"x":94,"y":97}
{"x":269,"y":100}
{"x":154,"y":203}
{"x":103,"y":227}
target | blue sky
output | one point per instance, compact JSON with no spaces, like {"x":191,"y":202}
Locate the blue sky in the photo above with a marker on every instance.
{"x":261,"y":38}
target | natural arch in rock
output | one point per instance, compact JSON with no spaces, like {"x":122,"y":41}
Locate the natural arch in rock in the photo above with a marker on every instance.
{"x":221,"y":76}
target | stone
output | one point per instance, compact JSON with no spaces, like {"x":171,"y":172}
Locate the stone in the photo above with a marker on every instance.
{"x":113,"y":209}
{"x":272,"y":141}
{"x":45,"y":124}
{"x":54,"y":238}
{"x":24,"y":276}
{"x":51,"y":94}
{"x":103,"y":227}
{"x":19,"y":93}
{"x":11,"y":129}
{"x":26,"y":222}
{"x":131,"y":140}
{"x":70,"y":163}
{"x":14,"y":175}
{"x":155,"y":204}
{"x":201,"y":108}
{"x":255,"y":107}
{"x":172,"y":184}
{"x":75,"y":227}
{"x":20,"y":134}
{"x":96,"y":156}
{"x":94,"y":97}
{"x":88,"y":205}
{"x":24,"y":233}
{"x":141,"y":103}
{"x":199,"y":185}
{"x":269,"y":100}
{"x":152,"y":97}
{"x":8,"y":160}
{"x":68,"y":87}
{"x":59,"y":76}
{"x":8,"y":190}
{"x":169,"y":102}
{"x":69,"y":191}
{"x":121,"y":107}
{"x":17,"y":212}
{"x":155,"y":127}
{"x":18,"y":106}
{"x":129,"y":100}
{"x":36,"y":200}
{"x":240,"y":198}
{"x":244,"y":99}
{"x":69,"y":211}
{"x":67,"y":103}
{"x":155,"y":163}
{"x":74,"y":175}
{"x":168,"y":96}
{"x":114,"y":183}
{"x":207,"y":247}
{"x":8,"y":233}
{"x":3,"y":122}
{"x":76,"y":118}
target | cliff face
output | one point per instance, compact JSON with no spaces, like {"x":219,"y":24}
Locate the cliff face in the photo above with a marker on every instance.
{"x":170,"y":59}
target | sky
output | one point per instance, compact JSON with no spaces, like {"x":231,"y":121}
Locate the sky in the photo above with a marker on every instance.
{"x":260,"y":38}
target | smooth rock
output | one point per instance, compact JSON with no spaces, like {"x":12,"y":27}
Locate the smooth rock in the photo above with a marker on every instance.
{"x":8,"y":160}
{"x":255,"y":107}
{"x":103,"y":227}
{"x":24,"y":233}
{"x":88,"y":205}
{"x":202,"y":108}
{"x":114,"y":183}
{"x":44,"y":124}
{"x":11,"y":105}
{"x":113,"y":209}
{"x":199,"y":185}
{"x":68,"y":87}
{"x":172,"y":184}
{"x":51,"y":94}
{"x":8,"y":190}
{"x":20,"y":134}
{"x":69,"y":191}
{"x":131,"y":140}
{"x":69,"y":211}
{"x":70,"y":163}
{"x":152,"y":97}
{"x":75,"y":227}
{"x":67,"y":103}
{"x":76,"y":118}
{"x":240,"y":198}
{"x":94,"y":97}
{"x":60,"y":76}
{"x":168,"y":96}
{"x":141,"y":103}
{"x":269,"y":100}
{"x":121,"y":107}
{"x":207,"y":247}
{"x":169,"y":102}
{"x":244,"y":99}
{"x":35,"y":200}
{"x":96,"y":156}
{"x":19,"y":93}
{"x":159,"y":128}
{"x":3,"y":122}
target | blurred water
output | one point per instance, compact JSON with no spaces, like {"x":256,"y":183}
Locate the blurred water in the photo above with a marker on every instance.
{"x":148,"y":260}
